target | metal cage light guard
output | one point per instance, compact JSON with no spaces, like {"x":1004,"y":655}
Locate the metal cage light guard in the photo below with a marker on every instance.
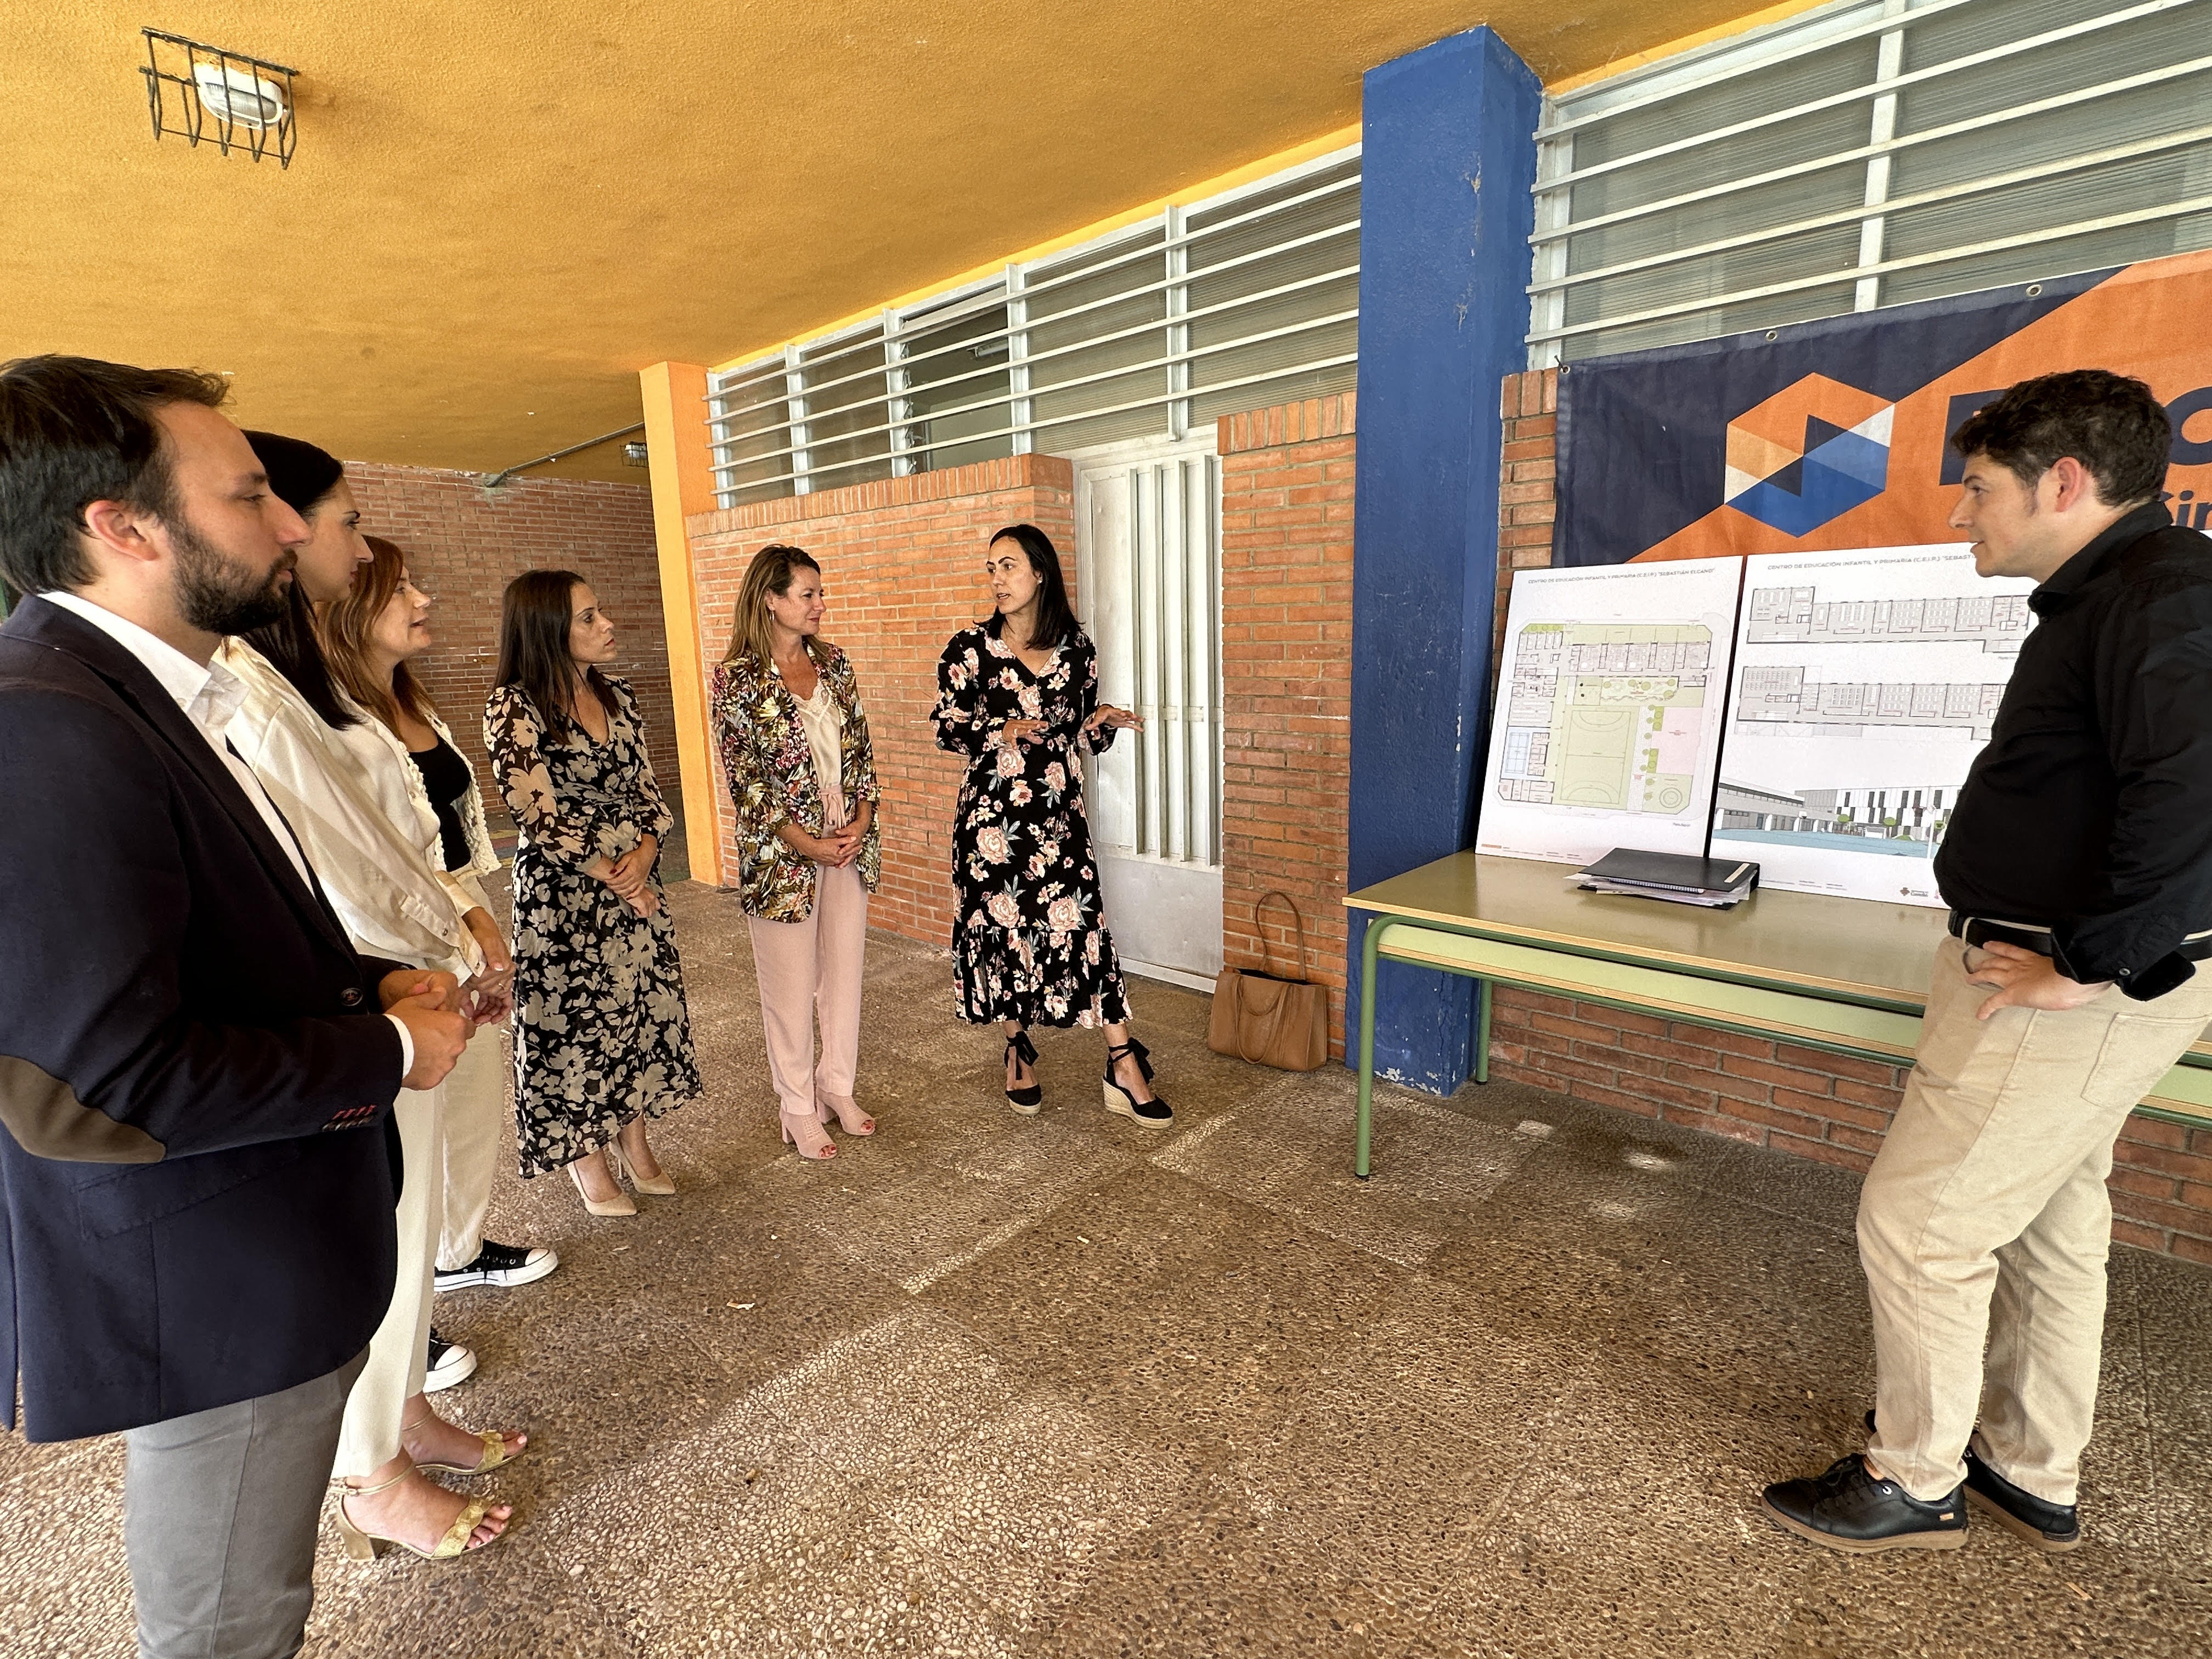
{"x":193,"y":120}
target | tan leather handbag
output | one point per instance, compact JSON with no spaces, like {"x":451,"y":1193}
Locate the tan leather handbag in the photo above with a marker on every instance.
{"x":1267,"y":1018}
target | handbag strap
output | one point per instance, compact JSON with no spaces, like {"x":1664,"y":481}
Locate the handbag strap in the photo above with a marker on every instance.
{"x":1298,"y":922}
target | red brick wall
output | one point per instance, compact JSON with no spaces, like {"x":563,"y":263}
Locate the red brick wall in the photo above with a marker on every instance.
{"x":1286,"y":487}
{"x":1530,"y":405}
{"x":902,"y":562}
{"x":1771,"y":1094}
{"x":465,"y":546}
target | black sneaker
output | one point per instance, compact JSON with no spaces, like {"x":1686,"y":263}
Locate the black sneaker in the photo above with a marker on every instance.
{"x":1847,"y":1509}
{"x":450,"y":1363}
{"x":502,"y":1264}
{"x":2054,"y":1529}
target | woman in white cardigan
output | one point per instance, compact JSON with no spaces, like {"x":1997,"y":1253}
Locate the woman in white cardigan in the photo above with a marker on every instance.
{"x":369,"y":636}
{"x":347,"y":802}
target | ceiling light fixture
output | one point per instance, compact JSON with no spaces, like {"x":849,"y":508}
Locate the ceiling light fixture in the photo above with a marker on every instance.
{"x":235,"y":101}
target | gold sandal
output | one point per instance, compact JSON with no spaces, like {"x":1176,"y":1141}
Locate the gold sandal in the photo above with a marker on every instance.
{"x":367,"y":1547}
{"x":494,"y":1451}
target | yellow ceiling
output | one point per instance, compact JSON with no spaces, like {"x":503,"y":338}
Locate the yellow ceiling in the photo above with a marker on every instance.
{"x":499,"y":211}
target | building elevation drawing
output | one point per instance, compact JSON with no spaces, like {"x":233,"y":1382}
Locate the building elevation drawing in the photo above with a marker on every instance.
{"x":1864,"y":684}
{"x":1799,"y":616}
{"x":1606,"y":715}
{"x":1787,"y":695}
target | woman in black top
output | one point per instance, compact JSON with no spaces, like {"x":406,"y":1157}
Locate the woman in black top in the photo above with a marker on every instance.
{"x":1018,"y":694}
{"x":371,"y":636}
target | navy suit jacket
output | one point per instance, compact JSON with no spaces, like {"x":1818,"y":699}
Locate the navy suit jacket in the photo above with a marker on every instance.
{"x":197,"y":1178}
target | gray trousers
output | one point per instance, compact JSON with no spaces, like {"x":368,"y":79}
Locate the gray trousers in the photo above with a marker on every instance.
{"x":219,"y":1517}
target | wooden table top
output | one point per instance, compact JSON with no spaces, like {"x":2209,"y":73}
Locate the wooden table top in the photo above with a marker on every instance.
{"x":1857,"y":948}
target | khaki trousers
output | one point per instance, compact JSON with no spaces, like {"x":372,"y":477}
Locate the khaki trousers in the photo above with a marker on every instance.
{"x":476,"y":1110}
{"x":1985,"y":1219}
{"x":808,"y":971}
{"x":399,"y":1352}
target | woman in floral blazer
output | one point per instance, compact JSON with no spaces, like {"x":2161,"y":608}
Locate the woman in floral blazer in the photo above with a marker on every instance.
{"x":795,"y":753}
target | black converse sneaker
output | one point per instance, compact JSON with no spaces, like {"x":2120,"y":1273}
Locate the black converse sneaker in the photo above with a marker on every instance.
{"x":450,"y":1363}
{"x":501,"y":1265}
{"x":1848,"y":1509}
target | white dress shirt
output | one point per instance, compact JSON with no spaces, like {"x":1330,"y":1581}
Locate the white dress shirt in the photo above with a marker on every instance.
{"x":209,"y":694}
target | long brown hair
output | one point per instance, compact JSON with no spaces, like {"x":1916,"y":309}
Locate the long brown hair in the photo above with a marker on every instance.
{"x":347,"y":626}
{"x":534,"y":616}
{"x":1055,"y":617}
{"x":752,"y":630}
{"x":300,"y":475}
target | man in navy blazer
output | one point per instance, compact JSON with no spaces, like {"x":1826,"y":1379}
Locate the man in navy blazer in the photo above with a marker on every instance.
{"x":197,"y":1174}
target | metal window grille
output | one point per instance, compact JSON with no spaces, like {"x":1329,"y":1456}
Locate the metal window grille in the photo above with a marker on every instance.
{"x":1249,"y":298}
{"x":1868,"y":154}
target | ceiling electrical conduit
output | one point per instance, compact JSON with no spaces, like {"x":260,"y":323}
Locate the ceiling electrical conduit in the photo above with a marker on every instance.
{"x":493,"y":480}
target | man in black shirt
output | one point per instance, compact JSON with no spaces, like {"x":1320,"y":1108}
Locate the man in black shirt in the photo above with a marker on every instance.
{"x":2078,"y":866}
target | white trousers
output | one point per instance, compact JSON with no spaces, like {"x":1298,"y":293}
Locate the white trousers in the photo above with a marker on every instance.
{"x":476,"y":1109}
{"x":399,"y":1354}
{"x":810,"y":971}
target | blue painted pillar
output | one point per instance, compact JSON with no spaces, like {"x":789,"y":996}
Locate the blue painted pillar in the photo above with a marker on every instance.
{"x":1447,"y":164}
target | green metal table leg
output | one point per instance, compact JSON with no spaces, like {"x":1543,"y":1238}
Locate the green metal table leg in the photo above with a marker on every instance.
{"x":1483,"y":994}
{"x":1375,"y":930}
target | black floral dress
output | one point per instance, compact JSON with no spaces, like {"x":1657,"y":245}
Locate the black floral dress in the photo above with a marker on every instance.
{"x":601,"y":1029}
{"x":1030,"y":944}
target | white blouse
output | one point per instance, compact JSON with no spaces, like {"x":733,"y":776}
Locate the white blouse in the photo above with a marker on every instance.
{"x":825,"y":724}
{"x":345,"y":795}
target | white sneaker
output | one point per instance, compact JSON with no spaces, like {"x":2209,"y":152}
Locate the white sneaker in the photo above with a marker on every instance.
{"x":450,"y":1363}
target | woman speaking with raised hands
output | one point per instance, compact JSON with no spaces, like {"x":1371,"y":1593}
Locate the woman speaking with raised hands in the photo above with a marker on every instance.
{"x":1018,"y":694}
{"x":802,"y":774}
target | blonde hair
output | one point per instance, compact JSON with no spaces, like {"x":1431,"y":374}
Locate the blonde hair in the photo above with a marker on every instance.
{"x":752,"y":630}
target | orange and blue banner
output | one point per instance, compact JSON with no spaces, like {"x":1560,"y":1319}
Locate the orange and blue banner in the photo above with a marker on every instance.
{"x":1834,"y":433}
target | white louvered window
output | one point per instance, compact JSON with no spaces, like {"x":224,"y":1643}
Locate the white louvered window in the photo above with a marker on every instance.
{"x":1869,"y":154}
{"x":1248,"y":299}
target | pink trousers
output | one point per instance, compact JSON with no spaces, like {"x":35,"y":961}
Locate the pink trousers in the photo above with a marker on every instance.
{"x":810,"y":970}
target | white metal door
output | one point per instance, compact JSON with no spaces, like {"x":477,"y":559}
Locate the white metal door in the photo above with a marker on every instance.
{"x":1148,"y":586}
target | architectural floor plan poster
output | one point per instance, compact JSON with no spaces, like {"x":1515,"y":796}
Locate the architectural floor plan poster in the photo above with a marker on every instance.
{"x":1608,"y":714}
{"x":1865,"y":684}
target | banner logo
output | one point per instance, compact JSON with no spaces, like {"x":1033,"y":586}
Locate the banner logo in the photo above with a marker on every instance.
{"x":1809,"y":454}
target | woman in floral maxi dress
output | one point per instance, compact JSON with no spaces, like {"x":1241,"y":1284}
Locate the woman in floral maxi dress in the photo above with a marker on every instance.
{"x":602,"y":1041}
{"x":1018,"y":694}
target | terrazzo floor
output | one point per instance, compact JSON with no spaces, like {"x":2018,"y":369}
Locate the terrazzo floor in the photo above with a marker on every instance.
{"x":993,"y":1385}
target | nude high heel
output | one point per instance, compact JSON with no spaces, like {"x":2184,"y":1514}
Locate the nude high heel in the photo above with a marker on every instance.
{"x":658,"y":1186}
{"x":807,"y":1135}
{"x":850,"y":1118}
{"x":620,"y":1204}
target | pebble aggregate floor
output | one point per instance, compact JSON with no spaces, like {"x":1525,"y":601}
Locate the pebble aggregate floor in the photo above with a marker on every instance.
{"x":990,"y":1386}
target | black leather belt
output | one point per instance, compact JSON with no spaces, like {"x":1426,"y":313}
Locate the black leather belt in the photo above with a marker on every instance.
{"x":1981,"y":930}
